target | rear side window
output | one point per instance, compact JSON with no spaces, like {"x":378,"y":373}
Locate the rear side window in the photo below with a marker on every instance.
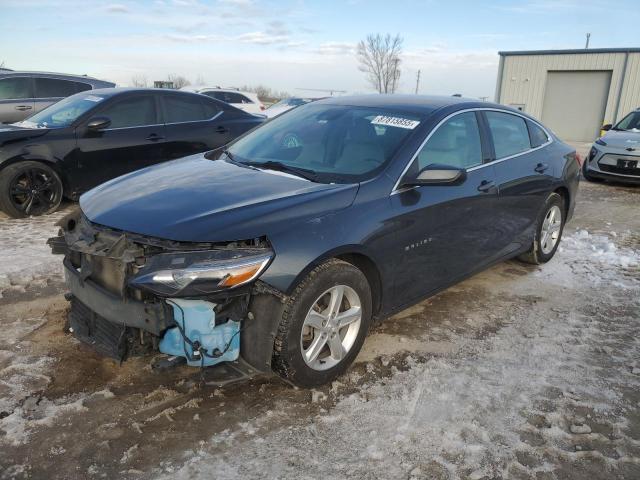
{"x":228,"y":97}
{"x":238,"y":98}
{"x":82,"y":87}
{"x":455,"y":143}
{"x":14,"y":88}
{"x":132,"y":112}
{"x":537,"y":135}
{"x":211,"y":109}
{"x":186,"y":108}
{"x":509,"y":132}
{"x":54,"y":88}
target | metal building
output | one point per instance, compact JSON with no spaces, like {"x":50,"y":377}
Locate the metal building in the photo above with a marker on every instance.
{"x":574,"y":92}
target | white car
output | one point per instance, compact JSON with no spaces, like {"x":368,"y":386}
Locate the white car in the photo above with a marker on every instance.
{"x":287,"y":104}
{"x":246,"y":101}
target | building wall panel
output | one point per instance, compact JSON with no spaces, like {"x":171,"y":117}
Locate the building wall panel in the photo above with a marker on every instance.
{"x":630,"y":98}
{"x":524,"y":78}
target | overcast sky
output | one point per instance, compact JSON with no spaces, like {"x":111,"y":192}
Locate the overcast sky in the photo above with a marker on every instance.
{"x":288,"y":45}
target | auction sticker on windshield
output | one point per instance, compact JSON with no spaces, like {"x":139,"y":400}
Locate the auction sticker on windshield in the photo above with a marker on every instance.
{"x":395,"y":122}
{"x":93,"y":98}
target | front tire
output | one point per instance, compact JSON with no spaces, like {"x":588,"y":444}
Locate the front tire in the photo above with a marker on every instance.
{"x":324,"y":325}
{"x":29,"y":188}
{"x":549,"y":230}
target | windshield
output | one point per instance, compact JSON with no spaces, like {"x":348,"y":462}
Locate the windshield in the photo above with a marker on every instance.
{"x":63,"y":113}
{"x":334,"y":143}
{"x":630,"y":122}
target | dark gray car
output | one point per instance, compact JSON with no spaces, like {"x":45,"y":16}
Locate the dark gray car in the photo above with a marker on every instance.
{"x":24,"y":93}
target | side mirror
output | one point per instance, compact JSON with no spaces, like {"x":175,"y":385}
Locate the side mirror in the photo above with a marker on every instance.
{"x":98,"y":123}
{"x":435,"y":174}
{"x":606,"y":127}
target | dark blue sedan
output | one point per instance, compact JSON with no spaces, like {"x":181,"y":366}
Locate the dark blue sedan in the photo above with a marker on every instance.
{"x":282,"y":249}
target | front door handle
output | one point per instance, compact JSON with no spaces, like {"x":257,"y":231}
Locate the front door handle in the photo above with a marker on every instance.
{"x":222,"y":129}
{"x":487,"y":186}
{"x":541,"y":167}
{"x":22,"y":108}
{"x":154,"y":137}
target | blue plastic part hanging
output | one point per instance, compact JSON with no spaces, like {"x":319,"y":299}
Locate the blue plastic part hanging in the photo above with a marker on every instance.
{"x":199,"y":320}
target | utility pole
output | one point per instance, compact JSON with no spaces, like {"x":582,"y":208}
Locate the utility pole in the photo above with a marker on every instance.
{"x":587,"y":44}
{"x":417,"y":81}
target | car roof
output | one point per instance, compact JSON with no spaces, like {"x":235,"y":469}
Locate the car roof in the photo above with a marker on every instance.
{"x":120,"y":90}
{"x":418,"y":104}
{"x":68,"y":76}
{"x":202,"y":88}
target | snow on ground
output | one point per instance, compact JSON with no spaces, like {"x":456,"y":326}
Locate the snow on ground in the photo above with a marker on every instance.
{"x":550,"y":388}
{"x":25,"y":260}
{"x":25,"y":257}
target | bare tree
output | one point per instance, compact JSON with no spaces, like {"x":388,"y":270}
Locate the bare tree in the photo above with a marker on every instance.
{"x":178,"y":80}
{"x":379,"y":58}
{"x":139,"y":81}
{"x":266,"y":94}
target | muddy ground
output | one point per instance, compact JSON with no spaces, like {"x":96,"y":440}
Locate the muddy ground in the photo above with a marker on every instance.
{"x":518,"y":372}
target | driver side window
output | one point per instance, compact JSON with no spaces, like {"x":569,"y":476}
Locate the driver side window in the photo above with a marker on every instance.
{"x":456,"y":143}
{"x":131,"y":112}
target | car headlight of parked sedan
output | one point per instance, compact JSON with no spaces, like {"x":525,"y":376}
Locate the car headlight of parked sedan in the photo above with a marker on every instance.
{"x":200,"y":272}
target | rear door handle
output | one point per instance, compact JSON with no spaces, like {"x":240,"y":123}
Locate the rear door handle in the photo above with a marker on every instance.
{"x":541,"y":167}
{"x":154,"y":137}
{"x":222,"y":129}
{"x":22,"y":108}
{"x":487,"y":186}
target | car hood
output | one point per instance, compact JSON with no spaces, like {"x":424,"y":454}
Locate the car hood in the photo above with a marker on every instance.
{"x":199,"y":200}
{"x":622,"y":140}
{"x":14,"y":132}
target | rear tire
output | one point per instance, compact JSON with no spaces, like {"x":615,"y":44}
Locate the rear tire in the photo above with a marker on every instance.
{"x":29,"y":188}
{"x":324,"y":325}
{"x":549,"y":230}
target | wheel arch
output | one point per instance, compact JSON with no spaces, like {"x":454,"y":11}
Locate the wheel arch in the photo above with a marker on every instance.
{"x":53,"y":163}
{"x":357,"y":256}
{"x":566,"y":197}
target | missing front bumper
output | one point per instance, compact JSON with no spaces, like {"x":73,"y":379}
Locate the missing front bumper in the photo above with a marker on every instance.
{"x":152,"y":317}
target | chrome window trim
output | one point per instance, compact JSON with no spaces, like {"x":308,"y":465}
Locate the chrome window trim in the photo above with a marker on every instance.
{"x":482,"y":165}
{"x":196,"y":121}
{"x":129,"y":128}
{"x":163,"y":124}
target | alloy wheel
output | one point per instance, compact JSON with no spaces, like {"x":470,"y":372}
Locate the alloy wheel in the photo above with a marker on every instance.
{"x":550,"y":232}
{"x":331,"y":327}
{"x":34,"y":191}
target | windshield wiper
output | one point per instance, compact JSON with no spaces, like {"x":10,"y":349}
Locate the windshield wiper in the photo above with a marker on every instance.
{"x":305,"y":173}
{"x":231,"y":158}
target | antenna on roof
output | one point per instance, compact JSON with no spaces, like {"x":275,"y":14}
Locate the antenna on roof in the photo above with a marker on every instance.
{"x":587,"y":44}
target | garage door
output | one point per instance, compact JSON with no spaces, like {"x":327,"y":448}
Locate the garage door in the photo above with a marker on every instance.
{"x":574,"y":103}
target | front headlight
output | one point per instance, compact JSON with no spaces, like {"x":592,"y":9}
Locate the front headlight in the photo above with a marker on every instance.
{"x":599,"y":141}
{"x":200,"y":272}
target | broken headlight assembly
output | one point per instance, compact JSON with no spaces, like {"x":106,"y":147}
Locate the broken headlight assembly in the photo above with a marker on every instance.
{"x":195,"y":273}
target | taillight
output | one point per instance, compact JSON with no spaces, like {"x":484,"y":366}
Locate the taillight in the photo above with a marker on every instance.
{"x":578,"y":159}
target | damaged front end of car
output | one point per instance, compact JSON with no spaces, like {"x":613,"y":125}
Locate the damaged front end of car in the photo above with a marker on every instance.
{"x":132,"y":294}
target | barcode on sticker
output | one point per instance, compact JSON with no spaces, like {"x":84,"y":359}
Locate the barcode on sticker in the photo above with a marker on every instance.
{"x":395,"y":122}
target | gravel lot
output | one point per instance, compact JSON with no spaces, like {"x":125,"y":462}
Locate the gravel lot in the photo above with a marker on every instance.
{"x":518,"y":372}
